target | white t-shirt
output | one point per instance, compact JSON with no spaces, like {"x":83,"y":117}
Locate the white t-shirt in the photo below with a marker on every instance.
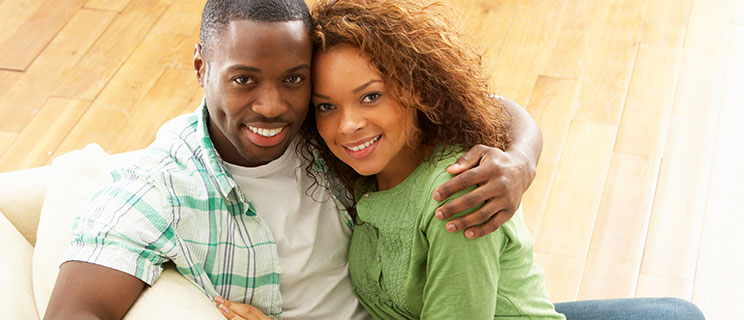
{"x":311,"y":237}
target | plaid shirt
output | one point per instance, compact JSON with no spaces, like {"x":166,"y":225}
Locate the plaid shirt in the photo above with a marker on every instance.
{"x":178,"y":203}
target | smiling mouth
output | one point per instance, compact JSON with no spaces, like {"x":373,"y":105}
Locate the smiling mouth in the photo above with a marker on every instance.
{"x":363,"y":146}
{"x":265,"y":132}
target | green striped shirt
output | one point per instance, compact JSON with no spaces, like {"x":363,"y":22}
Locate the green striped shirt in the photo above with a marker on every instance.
{"x":178,"y":203}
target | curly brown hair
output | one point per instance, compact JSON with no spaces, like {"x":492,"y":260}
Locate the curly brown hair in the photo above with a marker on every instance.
{"x":426,"y":64}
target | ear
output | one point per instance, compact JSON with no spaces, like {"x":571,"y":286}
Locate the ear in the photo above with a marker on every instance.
{"x":200,"y":67}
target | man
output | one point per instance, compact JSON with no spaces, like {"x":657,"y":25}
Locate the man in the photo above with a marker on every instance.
{"x":223,"y":194}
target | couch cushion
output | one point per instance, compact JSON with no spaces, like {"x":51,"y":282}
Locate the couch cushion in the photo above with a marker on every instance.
{"x":21,"y":197}
{"x":74,"y":178}
{"x":16,"y":293}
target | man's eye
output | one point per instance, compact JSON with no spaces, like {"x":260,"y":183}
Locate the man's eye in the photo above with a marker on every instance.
{"x":294,"y":79}
{"x":371,"y":97}
{"x":244,"y":80}
{"x":323,"y":107}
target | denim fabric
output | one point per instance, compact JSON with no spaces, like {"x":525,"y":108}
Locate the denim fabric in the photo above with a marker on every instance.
{"x":630,"y":309}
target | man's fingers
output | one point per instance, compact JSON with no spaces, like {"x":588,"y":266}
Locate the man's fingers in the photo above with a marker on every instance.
{"x":468,"y":160}
{"x":228,"y":313}
{"x":462,"y":203}
{"x":482,"y":215}
{"x":496,"y":222}
{"x":458,"y":183}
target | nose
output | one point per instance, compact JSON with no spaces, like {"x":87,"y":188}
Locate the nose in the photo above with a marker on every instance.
{"x":270,"y":102}
{"x":351,"y":121}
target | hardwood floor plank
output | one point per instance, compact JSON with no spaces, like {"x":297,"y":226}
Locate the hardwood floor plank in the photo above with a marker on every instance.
{"x":107,"y":55}
{"x":6,"y":139}
{"x":719,"y":266}
{"x":7,"y":80}
{"x":525,"y":48}
{"x":614,"y":33}
{"x":567,"y":57}
{"x":31,"y":89}
{"x":156,"y":53}
{"x":13,"y":14}
{"x":720,"y":259}
{"x":131,"y":128}
{"x":575,"y":195}
{"x":32,"y":37}
{"x":650,"y":286}
{"x":551,"y":101}
{"x":92,"y":128}
{"x":169,"y":95}
{"x":679,"y":202}
{"x":110,"y":5}
{"x":496,"y":15}
{"x":40,"y":138}
{"x":620,"y":232}
{"x":666,"y":22}
{"x":562,"y":275}
{"x":648,"y":107}
{"x":727,"y":170}
{"x":182,"y":17}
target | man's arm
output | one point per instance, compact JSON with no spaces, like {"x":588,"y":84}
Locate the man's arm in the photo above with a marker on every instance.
{"x":89,"y":291}
{"x":502,"y":177}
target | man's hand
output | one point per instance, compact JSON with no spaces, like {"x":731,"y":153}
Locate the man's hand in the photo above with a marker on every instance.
{"x":502,"y":178}
{"x":238,"y":311}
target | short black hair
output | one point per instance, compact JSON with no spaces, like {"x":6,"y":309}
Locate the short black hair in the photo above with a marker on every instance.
{"x":219,"y":13}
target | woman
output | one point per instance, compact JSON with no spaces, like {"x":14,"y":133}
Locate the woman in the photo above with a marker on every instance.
{"x":397,"y":97}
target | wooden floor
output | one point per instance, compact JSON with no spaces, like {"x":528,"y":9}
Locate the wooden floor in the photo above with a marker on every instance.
{"x":640,"y":186}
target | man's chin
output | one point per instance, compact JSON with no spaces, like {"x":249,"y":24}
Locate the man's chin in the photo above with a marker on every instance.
{"x":259,"y":155}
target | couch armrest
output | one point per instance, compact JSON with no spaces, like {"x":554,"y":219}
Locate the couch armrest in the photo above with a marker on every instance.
{"x":21,"y":197}
{"x":16,"y":291}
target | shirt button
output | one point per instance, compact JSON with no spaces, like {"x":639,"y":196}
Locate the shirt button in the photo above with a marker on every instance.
{"x":366,"y":195}
{"x":279,"y":269}
{"x":257,"y":218}
{"x":378,"y":259}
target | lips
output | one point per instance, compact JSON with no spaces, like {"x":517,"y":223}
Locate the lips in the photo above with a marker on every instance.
{"x":363,"y":148}
{"x":265,"y":137}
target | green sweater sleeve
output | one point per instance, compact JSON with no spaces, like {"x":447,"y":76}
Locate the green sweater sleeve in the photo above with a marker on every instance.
{"x":462,"y":274}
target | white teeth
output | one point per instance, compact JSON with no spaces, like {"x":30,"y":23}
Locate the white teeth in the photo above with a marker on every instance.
{"x":364,"y":145}
{"x":265,"y":132}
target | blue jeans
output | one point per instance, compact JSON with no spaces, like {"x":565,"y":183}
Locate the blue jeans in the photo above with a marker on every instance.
{"x":630,"y":309}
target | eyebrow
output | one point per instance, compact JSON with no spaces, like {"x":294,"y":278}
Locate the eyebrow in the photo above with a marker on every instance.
{"x":360,"y":88}
{"x":257,"y":70}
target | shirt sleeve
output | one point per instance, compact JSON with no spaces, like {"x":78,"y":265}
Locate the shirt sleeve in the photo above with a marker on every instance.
{"x":462,"y":274}
{"x":128,"y":227}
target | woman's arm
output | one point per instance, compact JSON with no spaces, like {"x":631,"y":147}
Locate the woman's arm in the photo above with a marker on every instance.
{"x":461,"y":274}
{"x":502,"y":177}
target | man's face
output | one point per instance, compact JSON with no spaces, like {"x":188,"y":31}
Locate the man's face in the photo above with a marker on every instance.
{"x":256,"y":80}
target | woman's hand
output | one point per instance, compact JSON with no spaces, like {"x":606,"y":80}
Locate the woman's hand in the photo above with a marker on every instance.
{"x":238,"y":311}
{"x":502,"y":178}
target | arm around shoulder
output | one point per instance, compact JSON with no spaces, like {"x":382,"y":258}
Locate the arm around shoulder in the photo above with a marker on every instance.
{"x":89,"y":291}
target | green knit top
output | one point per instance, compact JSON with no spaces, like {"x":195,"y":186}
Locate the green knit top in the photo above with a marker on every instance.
{"x":405,"y":265}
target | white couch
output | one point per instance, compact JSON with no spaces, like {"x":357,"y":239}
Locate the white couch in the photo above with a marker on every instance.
{"x":37,"y":207}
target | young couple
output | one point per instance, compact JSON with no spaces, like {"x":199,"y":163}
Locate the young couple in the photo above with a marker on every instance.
{"x":260,"y":217}
{"x":396,"y":98}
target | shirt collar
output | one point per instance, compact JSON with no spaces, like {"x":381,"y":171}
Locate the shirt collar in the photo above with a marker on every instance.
{"x":212,"y":160}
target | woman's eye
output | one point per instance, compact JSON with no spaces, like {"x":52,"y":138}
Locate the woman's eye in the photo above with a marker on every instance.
{"x":244,"y":80}
{"x":294,"y":79}
{"x":323,"y":107}
{"x":371,"y":97}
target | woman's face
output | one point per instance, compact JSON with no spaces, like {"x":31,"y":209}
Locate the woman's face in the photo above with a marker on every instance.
{"x":360,"y":120}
